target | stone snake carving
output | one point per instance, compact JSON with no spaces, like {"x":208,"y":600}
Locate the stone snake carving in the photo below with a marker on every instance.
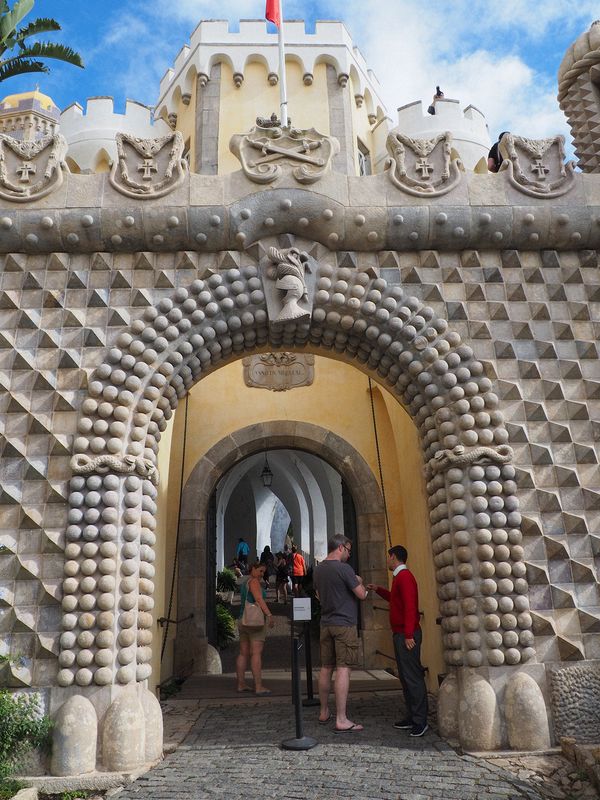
{"x":460,"y":456}
{"x":125,"y":465}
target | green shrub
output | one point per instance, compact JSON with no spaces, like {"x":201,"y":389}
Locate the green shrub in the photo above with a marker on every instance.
{"x":9,"y":788}
{"x":225,"y":624}
{"x":22,"y":728}
{"x":226,"y":581}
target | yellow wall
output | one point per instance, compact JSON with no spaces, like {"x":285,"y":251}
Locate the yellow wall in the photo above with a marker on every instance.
{"x":360,"y":125}
{"x":339,"y":401}
{"x":186,"y":122}
{"x":308,"y":106}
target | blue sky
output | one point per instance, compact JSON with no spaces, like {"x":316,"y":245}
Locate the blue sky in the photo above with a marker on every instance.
{"x":500,"y":56}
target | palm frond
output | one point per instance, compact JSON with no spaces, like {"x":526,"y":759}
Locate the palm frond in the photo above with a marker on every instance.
{"x":41,"y":25}
{"x":9,"y":20}
{"x":52,"y":50}
{"x":19,"y":66}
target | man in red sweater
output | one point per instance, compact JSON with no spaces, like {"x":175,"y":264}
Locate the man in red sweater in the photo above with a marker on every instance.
{"x":404,"y":620}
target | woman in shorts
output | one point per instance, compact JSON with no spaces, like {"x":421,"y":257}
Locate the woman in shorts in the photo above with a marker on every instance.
{"x":252,"y":640}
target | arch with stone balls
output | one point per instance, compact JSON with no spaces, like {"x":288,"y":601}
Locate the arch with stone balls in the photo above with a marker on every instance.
{"x":358,"y":317}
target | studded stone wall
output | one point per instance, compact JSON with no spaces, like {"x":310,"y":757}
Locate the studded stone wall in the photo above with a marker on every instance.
{"x":158,"y":321}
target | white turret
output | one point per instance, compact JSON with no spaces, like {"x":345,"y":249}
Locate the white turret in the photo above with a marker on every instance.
{"x":91,"y":135}
{"x":470,"y":133}
{"x":213,"y":42}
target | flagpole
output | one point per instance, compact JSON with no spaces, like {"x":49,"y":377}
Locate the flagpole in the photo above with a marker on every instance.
{"x":282,"y":82}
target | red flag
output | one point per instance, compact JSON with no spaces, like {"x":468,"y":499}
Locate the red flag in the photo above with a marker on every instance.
{"x":273,"y":12}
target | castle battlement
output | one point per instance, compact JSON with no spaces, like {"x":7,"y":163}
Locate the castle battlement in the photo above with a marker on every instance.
{"x":90,"y":134}
{"x":468,"y":126}
{"x":213,"y":42}
{"x":100,"y":111}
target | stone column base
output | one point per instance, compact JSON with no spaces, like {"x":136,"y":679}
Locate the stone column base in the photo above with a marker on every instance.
{"x":496,"y":708}
{"x":116,"y":729}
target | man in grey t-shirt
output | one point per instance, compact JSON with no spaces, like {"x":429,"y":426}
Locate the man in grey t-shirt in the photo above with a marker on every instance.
{"x":339,"y":589}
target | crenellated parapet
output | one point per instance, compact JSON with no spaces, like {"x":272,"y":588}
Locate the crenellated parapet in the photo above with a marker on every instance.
{"x":91,"y":134}
{"x":470,"y":133}
{"x":212,"y":42}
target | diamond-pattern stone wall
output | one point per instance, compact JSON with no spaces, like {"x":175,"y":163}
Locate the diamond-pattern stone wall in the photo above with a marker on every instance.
{"x":531,"y":318}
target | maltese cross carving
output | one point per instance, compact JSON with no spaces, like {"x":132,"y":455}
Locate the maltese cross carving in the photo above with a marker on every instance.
{"x":31,"y":170}
{"x":537,"y":167}
{"x":148,"y":168}
{"x":423,"y":167}
{"x":270,"y":151}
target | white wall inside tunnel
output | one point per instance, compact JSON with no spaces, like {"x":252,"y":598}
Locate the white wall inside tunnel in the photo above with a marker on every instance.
{"x":305,"y":491}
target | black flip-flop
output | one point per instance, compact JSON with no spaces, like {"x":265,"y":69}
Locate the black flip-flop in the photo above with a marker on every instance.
{"x":325,"y":721}
{"x":352,"y":729}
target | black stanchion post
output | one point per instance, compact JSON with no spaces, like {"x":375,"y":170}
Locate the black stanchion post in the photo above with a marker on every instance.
{"x":311,"y":700}
{"x":301,"y":742}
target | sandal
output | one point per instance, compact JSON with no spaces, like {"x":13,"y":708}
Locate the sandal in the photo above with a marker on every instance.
{"x":352,"y":729}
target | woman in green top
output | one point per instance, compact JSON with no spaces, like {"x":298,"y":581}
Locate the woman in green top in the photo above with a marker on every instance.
{"x":252,"y":640}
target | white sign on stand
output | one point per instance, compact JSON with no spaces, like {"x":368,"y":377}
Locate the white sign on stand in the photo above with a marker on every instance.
{"x":301,"y":609}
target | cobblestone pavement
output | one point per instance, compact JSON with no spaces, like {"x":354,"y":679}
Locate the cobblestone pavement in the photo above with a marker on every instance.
{"x":553,"y":775}
{"x":233,"y":751}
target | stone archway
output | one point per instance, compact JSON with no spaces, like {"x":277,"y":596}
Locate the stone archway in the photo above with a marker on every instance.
{"x":348,"y":314}
{"x":277,"y":434}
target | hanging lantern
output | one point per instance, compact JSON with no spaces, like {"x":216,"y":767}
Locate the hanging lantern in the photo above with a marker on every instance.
{"x":266,"y":475}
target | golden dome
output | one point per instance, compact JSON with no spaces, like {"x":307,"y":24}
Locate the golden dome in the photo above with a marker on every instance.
{"x":35,"y":97}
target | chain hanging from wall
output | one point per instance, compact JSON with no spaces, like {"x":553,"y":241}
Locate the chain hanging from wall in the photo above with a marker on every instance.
{"x":385,"y":510}
{"x":166,"y":621}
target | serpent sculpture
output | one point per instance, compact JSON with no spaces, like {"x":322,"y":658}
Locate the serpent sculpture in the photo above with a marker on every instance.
{"x":460,"y":456}
{"x":100,"y":465}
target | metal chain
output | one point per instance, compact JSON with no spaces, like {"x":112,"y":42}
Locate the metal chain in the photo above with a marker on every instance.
{"x":385,"y":510}
{"x":176,"y":556}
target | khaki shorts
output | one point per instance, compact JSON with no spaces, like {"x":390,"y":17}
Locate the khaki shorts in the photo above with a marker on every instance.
{"x":339,"y":646}
{"x":252,"y":634}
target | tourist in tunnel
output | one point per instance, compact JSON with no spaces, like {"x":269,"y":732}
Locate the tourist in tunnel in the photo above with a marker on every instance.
{"x":298,"y":571}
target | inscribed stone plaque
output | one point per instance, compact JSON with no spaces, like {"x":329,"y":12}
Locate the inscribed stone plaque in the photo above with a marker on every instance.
{"x":279,"y":371}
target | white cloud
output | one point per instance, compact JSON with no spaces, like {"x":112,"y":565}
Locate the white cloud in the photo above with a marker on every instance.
{"x":479,"y":52}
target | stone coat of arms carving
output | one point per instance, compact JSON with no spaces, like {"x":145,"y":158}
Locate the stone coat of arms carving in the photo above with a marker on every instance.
{"x":148,"y":168}
{"x":537,"y":167}
{"x":31,"y":170}
{"x":270,"y":151}
{"x":423,"y":167}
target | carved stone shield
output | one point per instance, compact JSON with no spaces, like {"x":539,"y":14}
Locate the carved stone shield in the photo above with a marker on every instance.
{"x":537,"y":167}
{"x":148,"y":168}
{"x":422,"y":166}
{"x":267,"y":153}
{"x":31,"y":170}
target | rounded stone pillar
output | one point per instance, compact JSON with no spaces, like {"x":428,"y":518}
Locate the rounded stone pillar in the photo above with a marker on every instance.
{"x":74,"y":738}
{"x":124,"y":734}
{"x":479,"y":718}
{"x":526,"y":714}
{"x":447,"y":708}
{"x":154,"y":726}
